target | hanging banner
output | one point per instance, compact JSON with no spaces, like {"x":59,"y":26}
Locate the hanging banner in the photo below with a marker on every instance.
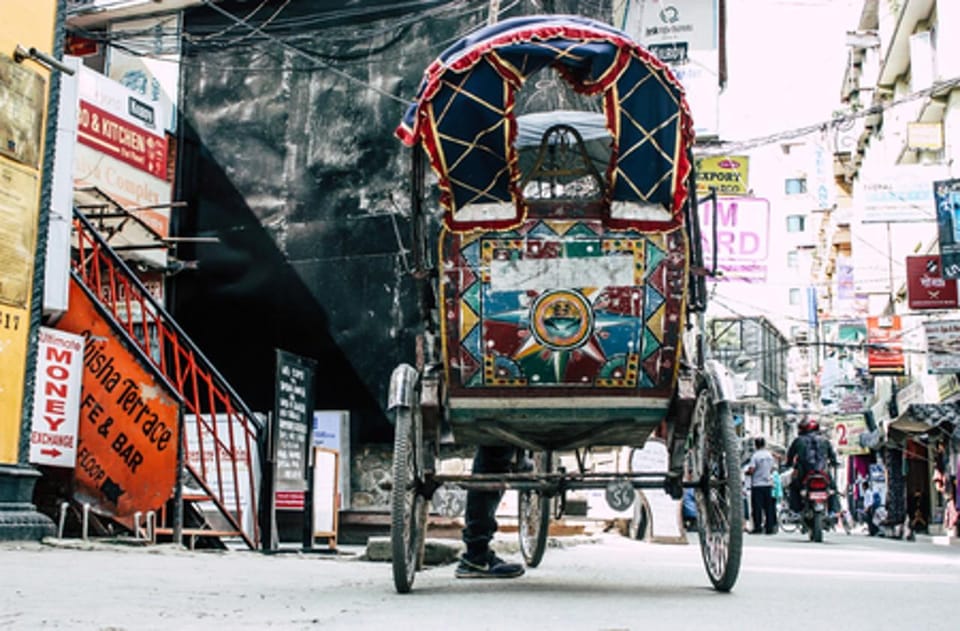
{"x":943,"y":346}
{"x":926,"y":287}
{"x":885,"y":354}
{"x":56,"y":398}
{"x":946,"y":194}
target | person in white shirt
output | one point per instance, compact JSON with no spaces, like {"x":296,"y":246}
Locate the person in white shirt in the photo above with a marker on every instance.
{"x":762,"y":507}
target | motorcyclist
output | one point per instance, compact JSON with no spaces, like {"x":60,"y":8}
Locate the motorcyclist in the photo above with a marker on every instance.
{"x":810,"y":439}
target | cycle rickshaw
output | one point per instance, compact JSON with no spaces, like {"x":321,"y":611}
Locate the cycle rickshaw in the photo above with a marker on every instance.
{"x":560,"y":314}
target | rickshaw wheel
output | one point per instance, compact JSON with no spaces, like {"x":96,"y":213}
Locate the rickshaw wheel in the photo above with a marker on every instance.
{"x":534,"y":515}
{"x":408,"y":508}
{"x":713,"y":463}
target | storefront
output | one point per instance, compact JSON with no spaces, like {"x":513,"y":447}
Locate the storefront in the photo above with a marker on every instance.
{"x":922,"y":451}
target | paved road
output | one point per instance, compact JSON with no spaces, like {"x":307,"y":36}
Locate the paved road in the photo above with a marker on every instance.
{"x":613,"y":583}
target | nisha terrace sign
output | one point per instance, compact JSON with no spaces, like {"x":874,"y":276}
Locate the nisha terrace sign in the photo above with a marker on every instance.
{"x":128,"y":426}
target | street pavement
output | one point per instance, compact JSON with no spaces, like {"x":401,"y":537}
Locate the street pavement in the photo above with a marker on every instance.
{"x":604,"y":582}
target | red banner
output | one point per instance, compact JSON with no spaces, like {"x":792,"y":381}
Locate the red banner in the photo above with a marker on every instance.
{"x":115,"y":137}
{"x":885,"y":354}
{"x":926,"y":286}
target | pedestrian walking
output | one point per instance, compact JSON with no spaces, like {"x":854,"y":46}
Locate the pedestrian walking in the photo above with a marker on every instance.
{"x":760,"y":469}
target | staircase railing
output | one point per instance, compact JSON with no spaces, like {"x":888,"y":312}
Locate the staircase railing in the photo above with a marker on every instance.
{"x":207,"y":395}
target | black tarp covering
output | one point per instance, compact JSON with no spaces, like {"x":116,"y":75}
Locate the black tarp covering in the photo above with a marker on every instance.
{"x":288,"y":159}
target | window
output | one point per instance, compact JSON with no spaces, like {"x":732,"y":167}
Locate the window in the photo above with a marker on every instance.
{"x":726,"y":334}
{"x":793,"y":259}
{"x":796,"y":223}
{"x":795,"y":185}
{"x":795,"y":295}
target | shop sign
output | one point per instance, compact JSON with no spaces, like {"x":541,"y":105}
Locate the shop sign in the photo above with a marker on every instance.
{"x":128,"y":425}
{"x":293,"y":424}
{"x":885,"y":354}
{"x":727,"y":174}
{"x":926,"y":287}
{"x":743,"y":234}
{"x":847,"y":430}
{"x":56,"y":398}
{"x":943,"y":346}
{"x":115,"y":137}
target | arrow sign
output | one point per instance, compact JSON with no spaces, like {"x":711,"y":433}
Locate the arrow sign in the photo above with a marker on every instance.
{"x":53,"y":452}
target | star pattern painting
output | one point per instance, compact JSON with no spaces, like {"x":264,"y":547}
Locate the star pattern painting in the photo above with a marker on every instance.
{"x":563,"y":304}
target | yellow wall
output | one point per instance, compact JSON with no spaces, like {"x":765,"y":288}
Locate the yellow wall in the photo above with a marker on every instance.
{"x":30,"y":23}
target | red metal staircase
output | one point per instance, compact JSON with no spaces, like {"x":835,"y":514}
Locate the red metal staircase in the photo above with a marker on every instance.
{"x":220,"y":432}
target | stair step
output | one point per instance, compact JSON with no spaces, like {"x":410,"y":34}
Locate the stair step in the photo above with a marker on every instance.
{"x":197,"y":497}
{"x":200,"y":532}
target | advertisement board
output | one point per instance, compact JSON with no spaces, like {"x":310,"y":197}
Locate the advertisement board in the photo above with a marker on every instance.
{"x":56,"y":398}
{"x":899,"y":195}
{"x":122,"y":149}
{"x":885,"y":346}
{"x":234,"y":472}
{"x":128,"y":420}
{"x":926,"y":286}
{"x":684,"y":34}
{"x":728,"y":174}
{"x":943,"y":346}
{"x":946,"y":195}
{"x":742,"y":237}
{"x":292,"y":428}
{"x":847,"y":430}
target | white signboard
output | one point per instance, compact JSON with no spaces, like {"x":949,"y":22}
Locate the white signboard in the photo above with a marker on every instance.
{"x":742,"y":237}
{"x":943,"y":346}
{"x":665,"y":518}
{"x":56,"y":399}
{"x":684,"y":34}
{"x":902,"y":194}
{"x":331,"y":430}
{"x":230,"y":462}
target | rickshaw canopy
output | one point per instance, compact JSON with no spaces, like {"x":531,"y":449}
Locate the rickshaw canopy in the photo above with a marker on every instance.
{"x":464,"y":118}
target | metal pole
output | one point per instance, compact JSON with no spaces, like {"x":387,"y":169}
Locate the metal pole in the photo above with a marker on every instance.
{"x":178,"y":484}
{"x":492,"y":17}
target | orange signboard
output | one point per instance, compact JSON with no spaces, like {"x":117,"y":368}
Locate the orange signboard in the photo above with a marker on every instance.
{"x":128,"y":433}
{"x":885,"y":348}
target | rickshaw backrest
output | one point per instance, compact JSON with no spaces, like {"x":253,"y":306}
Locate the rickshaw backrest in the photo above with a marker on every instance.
{"x":563,"y":170}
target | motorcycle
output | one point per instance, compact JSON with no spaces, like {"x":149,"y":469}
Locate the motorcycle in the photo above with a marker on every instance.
{"x":814,"y":517}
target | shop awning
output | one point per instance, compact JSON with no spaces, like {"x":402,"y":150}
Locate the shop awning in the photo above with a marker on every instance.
{"x":921,"y":418}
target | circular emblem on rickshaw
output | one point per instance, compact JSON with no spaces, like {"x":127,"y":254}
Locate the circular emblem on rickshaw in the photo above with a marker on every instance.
{"x":561,"y":319}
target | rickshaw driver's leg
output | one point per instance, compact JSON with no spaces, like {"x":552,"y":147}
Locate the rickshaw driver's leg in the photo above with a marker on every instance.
{"x":481,"y":523}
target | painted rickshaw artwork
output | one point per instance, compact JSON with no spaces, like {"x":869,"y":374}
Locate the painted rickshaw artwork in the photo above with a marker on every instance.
{"x":564,"y":308}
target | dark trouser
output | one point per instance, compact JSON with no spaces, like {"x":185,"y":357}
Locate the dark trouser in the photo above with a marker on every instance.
{"x":762,"y":509}
{"x":481,"y":523}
